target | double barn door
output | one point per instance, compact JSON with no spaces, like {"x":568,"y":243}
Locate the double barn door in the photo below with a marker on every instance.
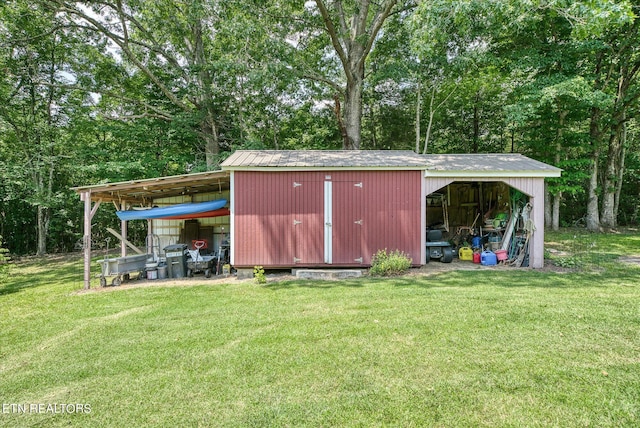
{"x":328,"y":222}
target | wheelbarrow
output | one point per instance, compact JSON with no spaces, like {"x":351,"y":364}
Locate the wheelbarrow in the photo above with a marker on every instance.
{"x":197,"y":263}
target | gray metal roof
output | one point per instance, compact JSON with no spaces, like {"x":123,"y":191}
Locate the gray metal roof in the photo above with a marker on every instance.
{"x":162,"y":187}
{"x":488,"y":163}
{"x":391,"y":159}
{"x":472,"y":165}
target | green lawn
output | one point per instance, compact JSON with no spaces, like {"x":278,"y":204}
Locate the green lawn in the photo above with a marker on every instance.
{"x":487,"y":347}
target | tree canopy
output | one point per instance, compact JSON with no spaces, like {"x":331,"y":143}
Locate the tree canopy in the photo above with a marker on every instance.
{"x":115,"y":90}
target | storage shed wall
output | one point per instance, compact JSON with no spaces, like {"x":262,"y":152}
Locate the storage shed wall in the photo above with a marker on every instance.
{"x":279,"y":218}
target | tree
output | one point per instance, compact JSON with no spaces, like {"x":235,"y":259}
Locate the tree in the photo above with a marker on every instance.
{"x":35,"y":56}
{"x":330,"y":45}
{"x":172,"y":46}
{"x":550,"y":54}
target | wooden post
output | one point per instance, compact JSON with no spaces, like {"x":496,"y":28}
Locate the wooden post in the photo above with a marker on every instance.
{"x":536,"y":244}
{"x":123,"y":232}
{"x":89,"y":212}
{"x":86,"y":239}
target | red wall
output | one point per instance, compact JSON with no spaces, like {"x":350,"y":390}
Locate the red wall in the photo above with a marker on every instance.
{"x":279,"y":224}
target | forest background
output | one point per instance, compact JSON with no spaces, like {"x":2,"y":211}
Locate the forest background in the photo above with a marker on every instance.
{"x":106,"y":91}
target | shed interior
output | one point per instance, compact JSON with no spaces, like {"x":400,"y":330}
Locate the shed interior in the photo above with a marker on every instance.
{"x":493,"y":213}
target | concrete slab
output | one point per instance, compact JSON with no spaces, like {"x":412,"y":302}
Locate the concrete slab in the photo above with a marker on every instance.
{"x":244,"y":273}
{"x":327,"y":273}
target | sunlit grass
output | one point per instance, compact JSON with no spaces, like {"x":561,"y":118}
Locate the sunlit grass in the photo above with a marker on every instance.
{"x":486,"y":347}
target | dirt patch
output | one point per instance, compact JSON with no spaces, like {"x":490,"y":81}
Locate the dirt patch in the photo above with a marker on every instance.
{"x":430,"y":269}
{"x":630,"y":259}
{"x":174,"y":282}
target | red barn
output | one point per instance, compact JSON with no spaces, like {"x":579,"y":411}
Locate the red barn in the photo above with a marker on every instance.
{"x":338,"y":208}
{"x":324,"y":208}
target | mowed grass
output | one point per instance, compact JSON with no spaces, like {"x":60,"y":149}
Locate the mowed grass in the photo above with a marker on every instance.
{"x":485,"y":347}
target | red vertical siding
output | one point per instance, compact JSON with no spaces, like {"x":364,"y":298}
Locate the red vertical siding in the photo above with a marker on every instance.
{"x":348,"y":222}
{"x":308,"y":221}
{"x":277,"y":224}
{"x":392,"y":213}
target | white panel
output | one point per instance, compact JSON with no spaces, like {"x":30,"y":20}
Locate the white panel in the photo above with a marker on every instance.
{"x":328,"y":222}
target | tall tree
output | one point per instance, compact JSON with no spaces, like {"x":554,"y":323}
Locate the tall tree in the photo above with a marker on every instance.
{"x":35,"y":56}
{"x":171,"y":45}
{"x":331,"y":41}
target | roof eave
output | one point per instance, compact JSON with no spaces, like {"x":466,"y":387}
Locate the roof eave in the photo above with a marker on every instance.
{"x":323,"y":168}
{"x":493,"y":174}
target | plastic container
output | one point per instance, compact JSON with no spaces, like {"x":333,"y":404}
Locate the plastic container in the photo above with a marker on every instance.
{"x":476,"y":257}
{"x":162,"y":271}
{"x":476,"y":242}
{"x":501,"y":255}
{"x":465,"y":253}
{"x":488,"y":258}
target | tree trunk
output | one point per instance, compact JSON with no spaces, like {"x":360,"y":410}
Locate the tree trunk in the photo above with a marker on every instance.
{"x":557,"y":198}
{"x":352,"y":38}
{"x":616,"y":208}
{"x":476,"y":124}
{"x":547,"y":205}
{"x":427,"y":136}
{"x":353,"y":112}
{"x":555,"y":212}
{"x":418,"y":108}
{"x":608,"y":217}
{"x":593,"y":214}
{"x":212,"y":144}
{"x":42,"y":230}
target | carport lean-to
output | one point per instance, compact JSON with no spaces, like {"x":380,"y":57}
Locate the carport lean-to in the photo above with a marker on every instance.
{"x":143,"y":193}
{"x":334,"y":208}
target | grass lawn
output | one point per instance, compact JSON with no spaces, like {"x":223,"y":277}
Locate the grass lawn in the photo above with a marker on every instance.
{"x":485,"y":347}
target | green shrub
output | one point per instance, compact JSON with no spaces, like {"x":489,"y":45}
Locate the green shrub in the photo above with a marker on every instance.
{"x":258,"y":275}
{"x":386,"y":263}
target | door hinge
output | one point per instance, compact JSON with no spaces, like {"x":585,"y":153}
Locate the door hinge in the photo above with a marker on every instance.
{"x":296,"y":260}
{"x":328,"y":224}
{"x":358,"y":260}
{"x":296,"y":222}
{"x":358,"y":222}
{"x":358,"y":185}
{"x":296,"y":184}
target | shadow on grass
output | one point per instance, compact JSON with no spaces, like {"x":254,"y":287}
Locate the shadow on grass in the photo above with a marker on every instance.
{"x":37,"y":272}
{"x":506,"y":278}
{"x":319,"y":284}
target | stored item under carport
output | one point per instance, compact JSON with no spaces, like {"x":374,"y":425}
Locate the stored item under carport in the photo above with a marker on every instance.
{"x":501,"y":255}
{"x":465,"y":253}
{"x":488,"y":258}
{"x":121,"y":267}
{"x":437,"y":248}
{"x":199,"y":263}
{"x":176,"y":256}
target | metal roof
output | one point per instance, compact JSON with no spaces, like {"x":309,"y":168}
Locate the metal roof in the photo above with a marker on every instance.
{"x":487,"y":165}
{"x":305,"y":159}
{"x":453,"y":165}
{"x":146,"y":190}
{"x":470,"y":165}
